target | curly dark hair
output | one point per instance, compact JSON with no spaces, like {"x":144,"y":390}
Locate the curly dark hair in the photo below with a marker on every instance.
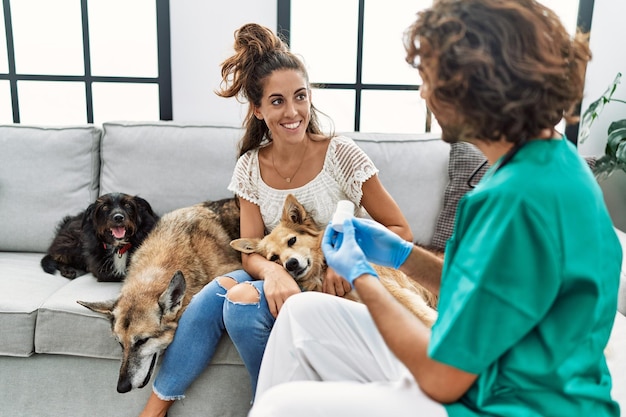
{"x":506,"y":68}
{"x":258,"y":53}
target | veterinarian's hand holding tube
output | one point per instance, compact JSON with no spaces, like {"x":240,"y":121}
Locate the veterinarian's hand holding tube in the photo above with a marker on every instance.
{"x":380,"y":245}
{"x":343,"y":253}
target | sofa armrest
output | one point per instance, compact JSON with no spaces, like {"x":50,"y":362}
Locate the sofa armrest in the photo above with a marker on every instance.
{"x":621,"y":301}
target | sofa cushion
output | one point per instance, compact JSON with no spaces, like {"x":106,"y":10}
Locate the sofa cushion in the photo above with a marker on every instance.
{"x":46,"y":173}
{"x":159,"y":161}
{"x":420,"y":162}
{"x":465,"y":160}
{"x":66,"y":327}
{"x":23,"y":289}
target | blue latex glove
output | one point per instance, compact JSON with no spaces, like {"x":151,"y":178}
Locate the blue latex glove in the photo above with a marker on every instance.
{"x":344,"y":255}
{"x":380,"y":245}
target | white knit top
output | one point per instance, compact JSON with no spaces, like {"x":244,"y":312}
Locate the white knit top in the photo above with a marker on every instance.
{"x":346,"y":168}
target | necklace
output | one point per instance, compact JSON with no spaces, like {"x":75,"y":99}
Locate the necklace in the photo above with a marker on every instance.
{"x":289,"y":178}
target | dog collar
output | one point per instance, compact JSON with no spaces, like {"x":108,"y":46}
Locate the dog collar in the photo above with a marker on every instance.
{"x":124,"y":249}
{"x":121,"y":250}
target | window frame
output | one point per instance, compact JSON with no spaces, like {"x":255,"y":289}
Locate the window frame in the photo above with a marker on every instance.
{"x":163,"y":80}
{"x":585,"y":14}
{"x":284,"y":28}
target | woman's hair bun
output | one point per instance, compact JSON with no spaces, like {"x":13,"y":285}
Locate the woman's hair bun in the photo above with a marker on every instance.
{"x":257,"y":40}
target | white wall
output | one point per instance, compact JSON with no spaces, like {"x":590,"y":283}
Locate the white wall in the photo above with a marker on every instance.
{"x":202,"y":37}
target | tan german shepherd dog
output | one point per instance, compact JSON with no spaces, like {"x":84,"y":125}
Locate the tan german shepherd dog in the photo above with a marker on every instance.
{"x":296,"y":244}
{"x":187,"y":249}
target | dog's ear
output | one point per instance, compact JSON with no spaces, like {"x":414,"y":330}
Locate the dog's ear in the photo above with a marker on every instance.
{"x":102,"y":307}
{"x":88,"y":215}
{"x":172,"y":298}
{"x":146,"y":219}
{"x":245,"y":245}
{"x":293,"y":211}
{"x":145,"y":210}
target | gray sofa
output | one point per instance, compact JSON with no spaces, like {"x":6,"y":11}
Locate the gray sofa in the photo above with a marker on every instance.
{"x":58,"y":358}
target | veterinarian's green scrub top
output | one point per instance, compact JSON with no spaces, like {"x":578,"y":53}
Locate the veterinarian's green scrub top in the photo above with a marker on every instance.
{"x":529,"y":289}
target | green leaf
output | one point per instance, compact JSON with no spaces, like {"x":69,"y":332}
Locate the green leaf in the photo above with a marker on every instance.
{"x":616,"y":81}
{"x":587,"y":119}
{"x":614,"y":140}
{"x":595,"y":108}
{"x":618,"y":124}
{"x":604,"y":167}
{"x":620,"y":154}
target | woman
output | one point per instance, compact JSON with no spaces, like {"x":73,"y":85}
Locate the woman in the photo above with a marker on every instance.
{"x":283,"y":151}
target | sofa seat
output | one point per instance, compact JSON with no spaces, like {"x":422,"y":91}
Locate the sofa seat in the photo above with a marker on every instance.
{"x":23,"y":289}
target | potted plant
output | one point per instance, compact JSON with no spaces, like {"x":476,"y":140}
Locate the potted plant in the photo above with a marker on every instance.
{"x":614,"y":157}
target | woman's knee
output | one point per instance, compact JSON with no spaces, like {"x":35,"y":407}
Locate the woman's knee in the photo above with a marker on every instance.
{"x":226,"y":282}
{"x":243,"y":293}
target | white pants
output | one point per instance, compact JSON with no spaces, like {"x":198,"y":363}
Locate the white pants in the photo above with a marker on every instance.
{"x":318,"y":337}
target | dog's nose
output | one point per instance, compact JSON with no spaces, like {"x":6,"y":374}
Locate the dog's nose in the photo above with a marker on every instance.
{"x":292,"y":264}
{"x":123,"y":385}
{"x":118,"y":217}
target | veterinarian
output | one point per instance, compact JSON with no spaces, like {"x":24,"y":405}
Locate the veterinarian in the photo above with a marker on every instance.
{"x":528,"y":287}
{"x":283,"y":151}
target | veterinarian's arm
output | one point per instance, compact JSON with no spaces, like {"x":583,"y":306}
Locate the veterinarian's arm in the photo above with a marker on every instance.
{"x":381,"y":206}
{"x":424,"y":267}
{"x":278,"y":285}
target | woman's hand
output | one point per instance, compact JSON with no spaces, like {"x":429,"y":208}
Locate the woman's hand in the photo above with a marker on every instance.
{"x":278,"y":286}
{"x":334,"y":284}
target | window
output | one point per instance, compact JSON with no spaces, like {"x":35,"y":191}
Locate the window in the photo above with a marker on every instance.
{"x":355,"y":56}
{"x":84,"y":61}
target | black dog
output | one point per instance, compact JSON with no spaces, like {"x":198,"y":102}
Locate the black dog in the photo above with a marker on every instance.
{"x":100,"y":239}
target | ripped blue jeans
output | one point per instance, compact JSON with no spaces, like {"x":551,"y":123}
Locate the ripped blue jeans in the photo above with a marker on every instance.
{"x":200,"y":328}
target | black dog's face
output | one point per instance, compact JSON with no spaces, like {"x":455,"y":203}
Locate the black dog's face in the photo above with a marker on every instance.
{"x":116,"y":217}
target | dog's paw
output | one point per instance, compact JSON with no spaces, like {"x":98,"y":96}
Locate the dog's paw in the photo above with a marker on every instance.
{"x":109,"y":277}
{"x":69,"y":272}
{"x":49,"y":265}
